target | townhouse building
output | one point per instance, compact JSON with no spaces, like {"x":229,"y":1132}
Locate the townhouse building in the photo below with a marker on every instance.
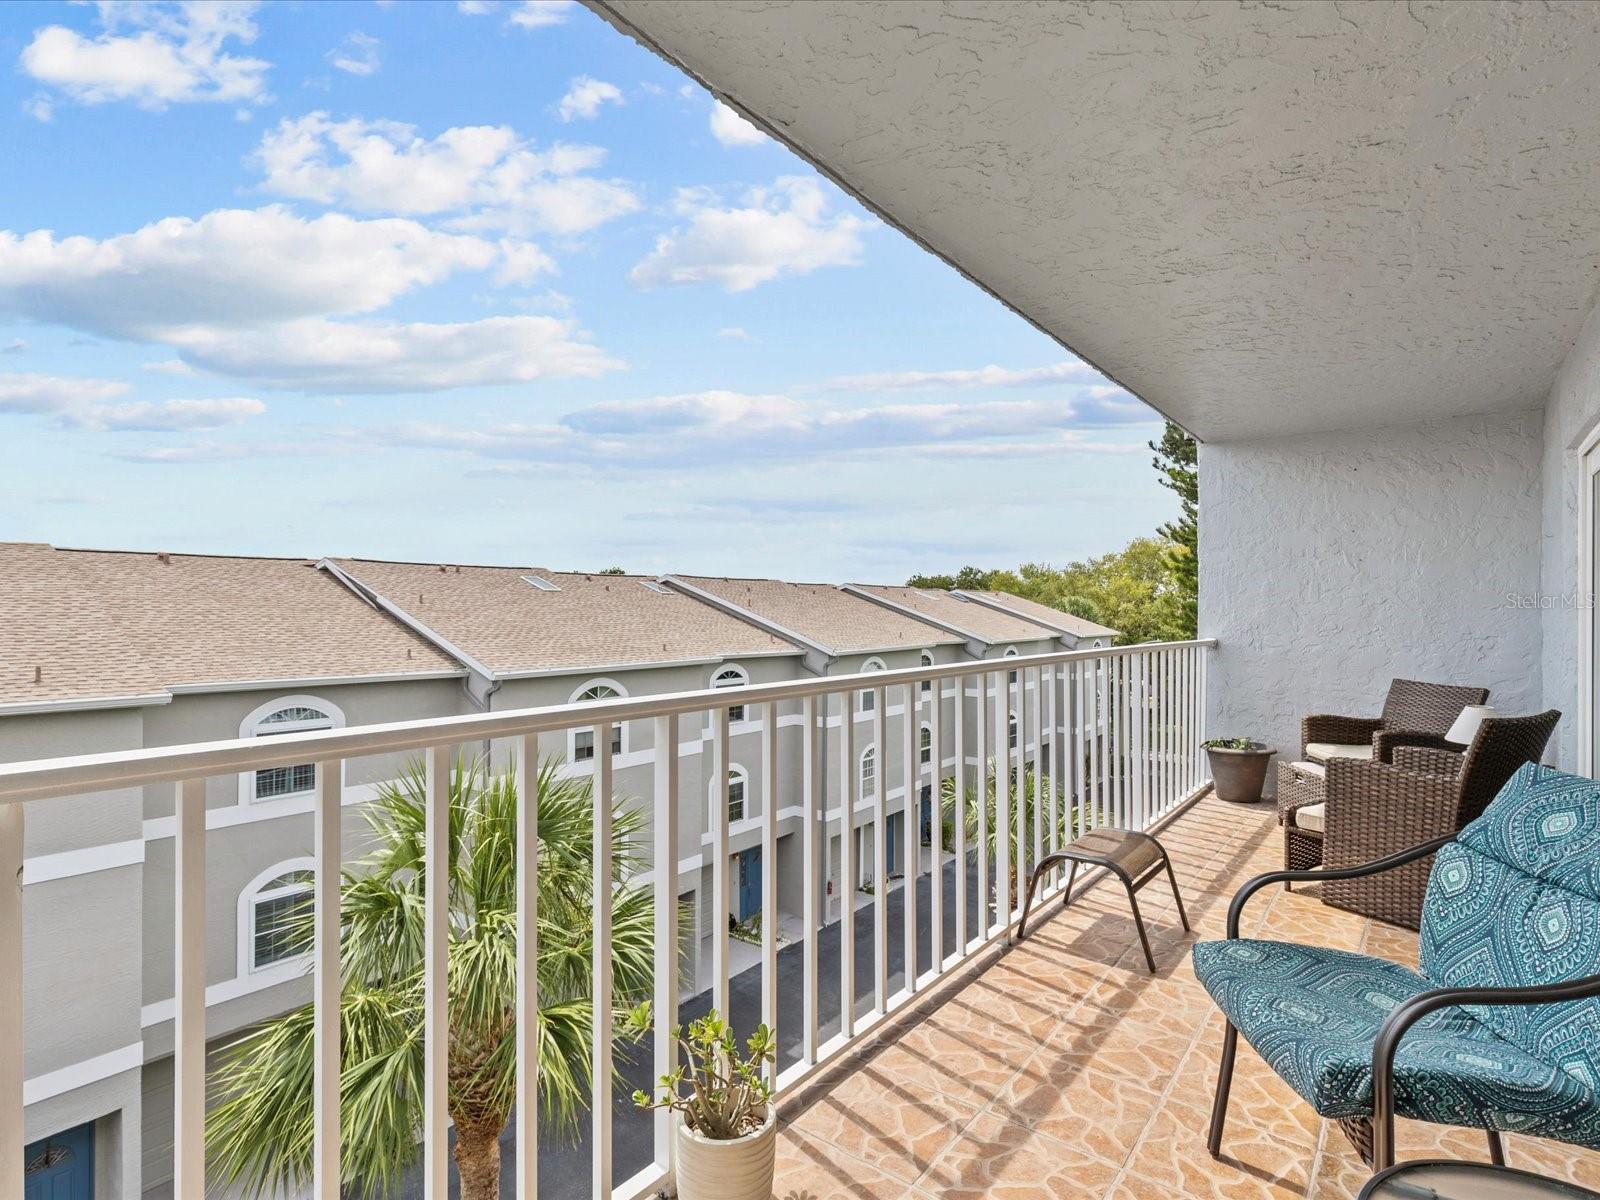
{"x":107,"y":651}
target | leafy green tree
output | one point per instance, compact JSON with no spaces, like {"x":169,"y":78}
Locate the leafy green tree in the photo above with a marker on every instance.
{"x":1175,"y":460}
{"x":260,"y":1132}
{"x":1020,"y":812}
{"x":613,"y":571}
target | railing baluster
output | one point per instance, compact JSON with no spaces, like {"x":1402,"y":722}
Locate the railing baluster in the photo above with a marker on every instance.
{"x":327,"y":984}
{"x":1041,"y":767}
{"x":880,"y":851}
{"x":721,"y":884}
{"x":849,"y":784}
{"x":1073,"y":744}
{"x":1002,"y":794}
{"x":1139,"y":695}
{"x":959,"y":813}
{"x":1053,"y":761}
{"x":600,"y":1031}
{"x":12,"y":1071}
{"x":985,"y":724}
{"x":1019,"y":765}
{"x":769,"y":874}
{"x":435,"y":961}
{"x":667,"y":951}
{"x":936,"y":829}
{"x":811,"y":810}
{"x":189,"y":995}
{"x":911,"y":852}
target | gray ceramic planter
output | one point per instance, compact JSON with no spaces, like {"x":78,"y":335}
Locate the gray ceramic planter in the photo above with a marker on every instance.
{"x":1240,"y":775}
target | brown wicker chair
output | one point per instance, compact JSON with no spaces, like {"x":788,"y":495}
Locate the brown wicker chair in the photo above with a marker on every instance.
{"x":1410,"y":707}
{"x":1373,"y":809}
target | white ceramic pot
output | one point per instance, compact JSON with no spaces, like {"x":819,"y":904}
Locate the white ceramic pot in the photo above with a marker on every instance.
{"x":740,"y":1169}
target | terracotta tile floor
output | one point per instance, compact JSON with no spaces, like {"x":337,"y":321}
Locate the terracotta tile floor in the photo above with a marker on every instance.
{"x":1062,"y":1069}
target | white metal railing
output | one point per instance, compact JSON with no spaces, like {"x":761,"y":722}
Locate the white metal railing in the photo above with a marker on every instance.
{"x":1101,"y":736}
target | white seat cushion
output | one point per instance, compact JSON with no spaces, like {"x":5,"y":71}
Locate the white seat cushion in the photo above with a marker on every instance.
{"x":1323,"y":751}
{"x":1310,"y":768}
{"x":1310,"y":817}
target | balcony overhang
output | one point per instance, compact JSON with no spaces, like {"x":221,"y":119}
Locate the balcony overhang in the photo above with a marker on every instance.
{"x":1261,"y":220}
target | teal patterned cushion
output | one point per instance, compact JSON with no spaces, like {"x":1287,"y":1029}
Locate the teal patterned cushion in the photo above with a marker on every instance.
{"x":1516,"y":902}
{"x":1313,"y":1014}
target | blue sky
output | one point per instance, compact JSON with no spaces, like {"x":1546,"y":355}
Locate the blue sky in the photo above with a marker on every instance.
{"x":488,"y":282}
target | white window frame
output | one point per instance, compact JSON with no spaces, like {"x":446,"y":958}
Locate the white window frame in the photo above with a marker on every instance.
{"x":866,"y":698}
{"x":1013,"y":730}
{"x":927,"y":660}
{"x":254,"y":725}
{"x":736,"y":775}
{"x":867,"y":788}
{"x":619,"y":728}
{"x":741,"y":678}
{"x":1010,"y":652}
{"x":925,"y":749}
{"x":254,"y":892}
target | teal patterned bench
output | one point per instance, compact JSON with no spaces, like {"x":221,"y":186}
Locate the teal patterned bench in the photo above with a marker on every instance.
{"x":1498,"y":1029}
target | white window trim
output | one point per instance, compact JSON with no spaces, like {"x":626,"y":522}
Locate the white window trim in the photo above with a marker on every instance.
{"x":863,"y":791}
{"x":925,"y":728}
{"x":744,"y":681}
{"x":247,"y":917}
{"x":251,"y":727}
{"x":572,"y":734}
{"x":872,"y":664}
{"x":714,"y":795}
{"x":927,"y":660}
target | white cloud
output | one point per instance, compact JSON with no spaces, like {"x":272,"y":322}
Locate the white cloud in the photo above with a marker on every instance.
{"x":167,"y":415}
{"x":585,"y":96}
{"x":357,"y":54}
{"x":729,"y":128}
{"x":472,"y":8}
{"x":736,"y":332}
{"x":376,"y":357}
{"x":39,"y":107}
{"x":231,"y":267}
{"x":480,"y":176}
{"x":168,"y":366}
{"x":667,"y":431}
{"x":989,"y":376}
{"x":15,"y":346}
{"x":153,"y":54}
{"x":784,"y":229}
{"x":83,"y":403}
{"x":537,"y":14}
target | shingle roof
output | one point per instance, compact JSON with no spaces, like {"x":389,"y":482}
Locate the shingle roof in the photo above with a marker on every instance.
{"x":822,"y":613}
{"x":1044,"y":614}
{"x":982,"y":622}
{"x":96,"y":623}
{"x":511,"y":625}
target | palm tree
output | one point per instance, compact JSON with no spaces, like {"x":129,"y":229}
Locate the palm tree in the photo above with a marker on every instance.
{"x":260,"y":1131}
{"x":1021,"y":813}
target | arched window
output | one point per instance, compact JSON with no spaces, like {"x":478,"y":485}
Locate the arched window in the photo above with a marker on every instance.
{"x":925,"y":745}
{"x":869,"y":771}
{"x":1011,"y":652}
{"x":927,"y":661}
{"x":580,"y":742}
{"x":274,"y":916}
{"x":732,"y":676}
{"x":869,"y":698}
{"x":287,"y":714}
{"x":738,"y":790}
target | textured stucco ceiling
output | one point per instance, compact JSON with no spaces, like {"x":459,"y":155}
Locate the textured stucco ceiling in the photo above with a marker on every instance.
{"x":1262,"y":219}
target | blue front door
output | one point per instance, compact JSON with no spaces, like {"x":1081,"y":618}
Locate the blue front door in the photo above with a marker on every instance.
{"x":927,"y":816}
{"x":61,"y":1167}
{"x":749,"y":884}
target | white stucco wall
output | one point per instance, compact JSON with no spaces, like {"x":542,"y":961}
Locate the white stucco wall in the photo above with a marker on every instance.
{"x":1332,"y":563}
{"x":1573,"y":411}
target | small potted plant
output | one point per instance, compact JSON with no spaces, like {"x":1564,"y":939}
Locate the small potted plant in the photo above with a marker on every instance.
{"x":1238,"y":768}
{"x":727,"y":1127}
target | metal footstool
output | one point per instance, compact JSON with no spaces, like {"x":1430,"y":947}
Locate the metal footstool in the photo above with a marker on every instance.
{"x":1133,"y":857}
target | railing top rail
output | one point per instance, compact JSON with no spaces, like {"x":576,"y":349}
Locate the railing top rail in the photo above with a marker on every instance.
{"x":55,"y":777}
